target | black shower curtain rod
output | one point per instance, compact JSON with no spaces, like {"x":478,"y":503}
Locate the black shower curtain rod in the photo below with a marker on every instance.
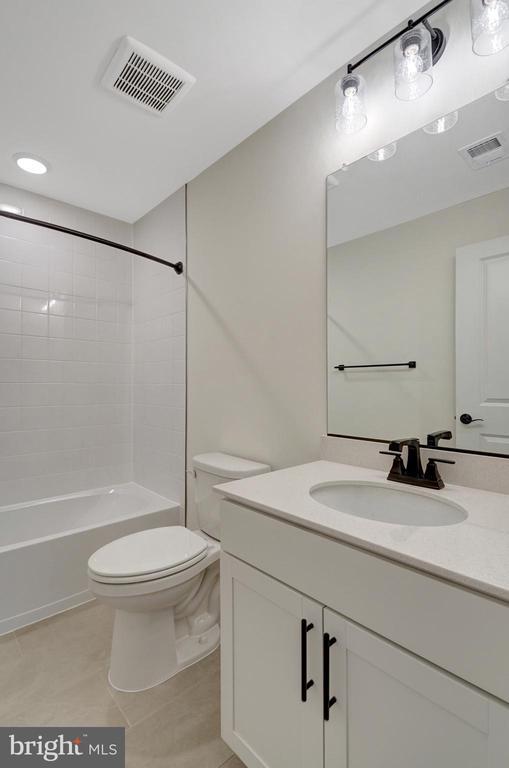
{"x":178,"y":267}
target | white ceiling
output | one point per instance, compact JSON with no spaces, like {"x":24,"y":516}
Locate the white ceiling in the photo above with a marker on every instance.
{"x":251,"y":58}
{"x":427,"y":174}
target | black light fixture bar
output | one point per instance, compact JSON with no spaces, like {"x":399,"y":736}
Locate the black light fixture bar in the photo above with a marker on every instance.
{"x":178,"y":266}
{"x":411,"y":24}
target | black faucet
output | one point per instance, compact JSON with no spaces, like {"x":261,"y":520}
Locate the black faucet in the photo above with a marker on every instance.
{"x":412,"y":473}
{"x":434,"y":437}
{"x":413,"y":466}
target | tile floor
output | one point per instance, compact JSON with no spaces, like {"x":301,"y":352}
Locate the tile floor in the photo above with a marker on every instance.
{"x":55,"y":673}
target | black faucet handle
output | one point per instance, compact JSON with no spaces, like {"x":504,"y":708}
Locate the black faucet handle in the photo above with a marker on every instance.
{"x":398,"y":467}
{"x":432,"y":475}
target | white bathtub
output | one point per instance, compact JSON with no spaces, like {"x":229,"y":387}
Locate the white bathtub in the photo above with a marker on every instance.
{"x":45,"y":546}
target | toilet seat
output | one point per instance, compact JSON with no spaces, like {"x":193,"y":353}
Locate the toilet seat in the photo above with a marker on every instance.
{"x":147,"y":555}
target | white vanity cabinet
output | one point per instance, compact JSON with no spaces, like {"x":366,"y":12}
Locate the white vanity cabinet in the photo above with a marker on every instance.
{"x":304,"y":686}
{"x":394,"y":710}
{"x":264,"y":718}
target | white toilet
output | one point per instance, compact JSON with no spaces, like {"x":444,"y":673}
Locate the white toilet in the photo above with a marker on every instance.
{"x":164,"y":585}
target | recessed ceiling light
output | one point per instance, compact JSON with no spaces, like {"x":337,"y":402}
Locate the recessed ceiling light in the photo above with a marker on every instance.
{"x":8,"y":208}
{"x":30,"y":163}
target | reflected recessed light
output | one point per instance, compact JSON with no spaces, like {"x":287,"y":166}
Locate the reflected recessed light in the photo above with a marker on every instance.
{"x":30,"y":163}
{"x":442,"y":124}
{"x":8,"y":208}
{"x":384,"y":153}
{"x":502,"y":94}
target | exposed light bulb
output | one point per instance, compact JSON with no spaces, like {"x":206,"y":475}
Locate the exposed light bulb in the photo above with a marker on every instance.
{"x":350,"y":108}
{"x":490,"y":26}
{"x":412,"y":64}
{"x":384,"y":153}
{"x":442,"y":124}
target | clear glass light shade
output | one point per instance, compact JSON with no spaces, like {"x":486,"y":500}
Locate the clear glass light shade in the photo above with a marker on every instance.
{"x":442,"y":124}
{"x":490,"y":26}
{"x":413,"y":62}
{"x":351,"y":114}
{"x":502,"y":94}
{"x":384,"y":153}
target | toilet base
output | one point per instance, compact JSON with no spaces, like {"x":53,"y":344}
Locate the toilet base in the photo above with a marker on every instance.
{"x":146,"y":653}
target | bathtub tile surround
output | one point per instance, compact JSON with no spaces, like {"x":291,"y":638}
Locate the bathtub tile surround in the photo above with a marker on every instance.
{"x":54,"y":674}
{"x":65,"y":377}
{"x":69,"y":354}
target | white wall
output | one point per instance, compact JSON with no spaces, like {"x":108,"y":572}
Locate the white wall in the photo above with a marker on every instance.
{"x":65,"y":372}
{"x":159,"y":351}
{"x":256,"y":250}
{"x":392,"y":298}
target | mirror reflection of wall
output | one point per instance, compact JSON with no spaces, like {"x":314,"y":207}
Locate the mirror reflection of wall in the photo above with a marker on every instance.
{"x":418,"y":270}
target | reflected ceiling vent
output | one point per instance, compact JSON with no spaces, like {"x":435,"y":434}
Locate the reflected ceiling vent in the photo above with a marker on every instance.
{"x":144,"y":77}
{"x":483,"y":153}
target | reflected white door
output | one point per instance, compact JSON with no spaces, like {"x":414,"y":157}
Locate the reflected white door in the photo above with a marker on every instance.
{"x":482,"y":346}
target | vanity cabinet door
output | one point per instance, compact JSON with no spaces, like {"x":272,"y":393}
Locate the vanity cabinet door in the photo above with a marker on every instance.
{"x":270,"y":654}
{"x":394,"y":710}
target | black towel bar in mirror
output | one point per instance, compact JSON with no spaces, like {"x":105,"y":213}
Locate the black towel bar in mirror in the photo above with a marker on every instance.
{"x":410,"y":364}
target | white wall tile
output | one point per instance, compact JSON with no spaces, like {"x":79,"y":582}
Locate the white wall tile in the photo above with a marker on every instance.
{"x":66,"y":422}
{"x":159,"y":355}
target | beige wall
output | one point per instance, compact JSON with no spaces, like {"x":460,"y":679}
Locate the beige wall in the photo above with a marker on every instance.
{"x":256,"y":292}
{"x":406,"y":277}
{"x":256,"y":263}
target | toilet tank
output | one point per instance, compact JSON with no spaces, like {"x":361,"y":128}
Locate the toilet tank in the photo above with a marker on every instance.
{"x":212,"y":469}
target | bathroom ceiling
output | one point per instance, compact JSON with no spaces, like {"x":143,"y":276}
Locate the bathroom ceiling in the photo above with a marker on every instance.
{"x":251,"y":60}
{"x":448,"y":179}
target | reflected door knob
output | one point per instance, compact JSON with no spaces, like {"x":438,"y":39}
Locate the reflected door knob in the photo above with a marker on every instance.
{"x":466,"y":418}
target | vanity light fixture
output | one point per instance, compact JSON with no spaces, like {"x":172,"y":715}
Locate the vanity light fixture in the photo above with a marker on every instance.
{"x":31,"y":163}
{"x":384,"y":153}
{"x":418,"y":48}
{"x":490,"y":26}
{"x":350,"y":104}
{"x":442,"y":124}
{"x":502,"y":93}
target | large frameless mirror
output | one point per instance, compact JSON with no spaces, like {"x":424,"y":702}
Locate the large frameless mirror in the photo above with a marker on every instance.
{"x":418,"y":285}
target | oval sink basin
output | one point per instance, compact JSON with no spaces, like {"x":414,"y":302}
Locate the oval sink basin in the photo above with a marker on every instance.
{"x":386,"y":504}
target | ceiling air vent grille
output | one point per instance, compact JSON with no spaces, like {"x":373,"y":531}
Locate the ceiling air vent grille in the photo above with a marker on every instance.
{"x":146,"y":78}
{"x":486,"y":152}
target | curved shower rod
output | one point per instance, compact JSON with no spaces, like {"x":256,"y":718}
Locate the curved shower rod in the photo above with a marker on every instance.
{"x":178,"y":266}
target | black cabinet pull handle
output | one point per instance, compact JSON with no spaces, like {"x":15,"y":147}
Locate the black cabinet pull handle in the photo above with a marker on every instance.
{"x":328,"y":702}
{"x":305,"y":684}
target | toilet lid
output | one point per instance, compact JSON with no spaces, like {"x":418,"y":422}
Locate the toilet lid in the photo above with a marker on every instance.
{"x":149,"y":552}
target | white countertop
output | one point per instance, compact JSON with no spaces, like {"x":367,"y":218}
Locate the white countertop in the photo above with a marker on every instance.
{"x":473,"y":553}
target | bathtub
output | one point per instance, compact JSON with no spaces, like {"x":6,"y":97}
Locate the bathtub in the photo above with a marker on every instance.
{"x":45,"y":546}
